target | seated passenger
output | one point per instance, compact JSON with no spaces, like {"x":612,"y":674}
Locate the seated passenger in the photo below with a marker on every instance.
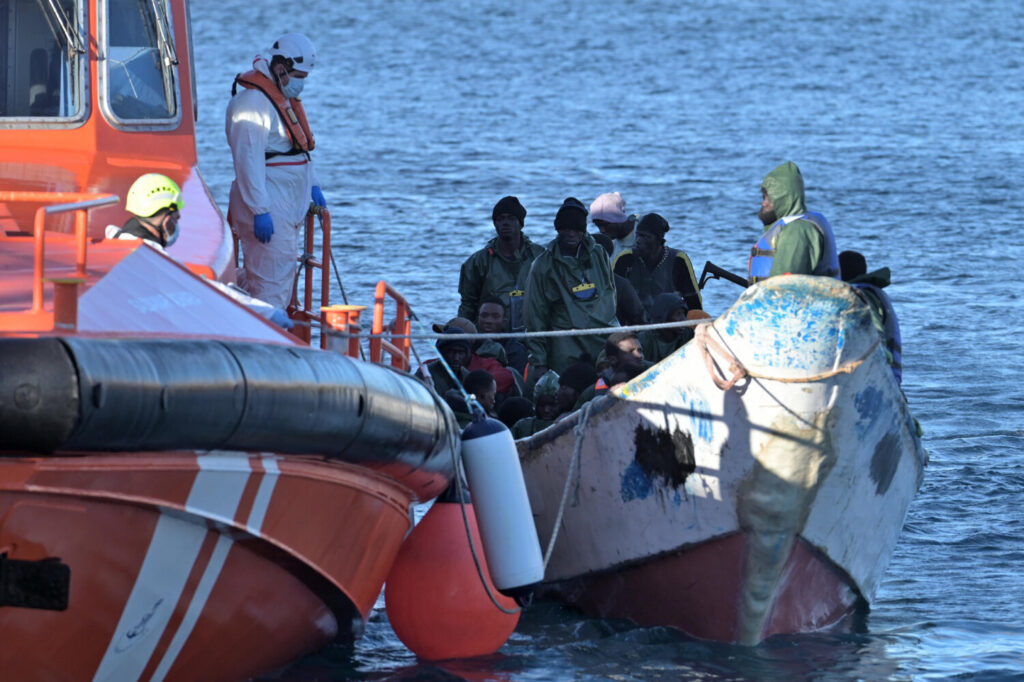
{"x":480,"y":384}
{"x":546,"y":405}
{"x":658,"y":344}
{"x":573,"y":382}
{"x":869,"y":285}
{"x":625,"y":361}
{"x":456,"y":353}
{"x":654,"y":268}
{"x":490,"y":356}
{"x":492,"y":318}
{"x":155,"y":202}
{"x":514,"y":409}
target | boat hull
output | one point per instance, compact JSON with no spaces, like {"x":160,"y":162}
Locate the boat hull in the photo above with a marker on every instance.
{"x":170,"y":552}
{"x":770,"y":506}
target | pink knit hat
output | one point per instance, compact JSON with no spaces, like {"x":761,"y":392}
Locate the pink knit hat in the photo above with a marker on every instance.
{"x":610,"y":207}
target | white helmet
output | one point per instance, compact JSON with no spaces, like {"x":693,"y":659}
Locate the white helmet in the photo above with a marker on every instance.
{"x":298,"y":49}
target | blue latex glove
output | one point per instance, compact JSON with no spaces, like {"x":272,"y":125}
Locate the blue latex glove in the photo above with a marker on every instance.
{"x":263,"y":227}
{"x":281,"y":319}
{"x":318,"y":196}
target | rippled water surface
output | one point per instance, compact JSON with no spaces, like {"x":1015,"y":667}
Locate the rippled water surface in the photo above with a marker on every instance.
{"x":906,"y":119}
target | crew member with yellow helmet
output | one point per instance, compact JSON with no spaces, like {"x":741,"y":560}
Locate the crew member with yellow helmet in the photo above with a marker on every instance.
{"x":154,"y":200}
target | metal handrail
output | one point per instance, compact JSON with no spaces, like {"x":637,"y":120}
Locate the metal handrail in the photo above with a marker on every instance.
{"x":80,"y":203}
{"x":306,"y":312}
{"x":399,"y":346}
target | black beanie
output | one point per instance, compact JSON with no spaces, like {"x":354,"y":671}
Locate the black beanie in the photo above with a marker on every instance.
{"x":572,"y":215}
{"x":653,"y":223}
{"x":511,"y":206}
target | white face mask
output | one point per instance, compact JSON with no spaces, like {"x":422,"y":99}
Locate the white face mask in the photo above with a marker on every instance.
{"x":293,"y":88}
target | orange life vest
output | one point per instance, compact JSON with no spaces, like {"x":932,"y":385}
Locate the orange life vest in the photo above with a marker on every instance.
{"x":291,"y":110}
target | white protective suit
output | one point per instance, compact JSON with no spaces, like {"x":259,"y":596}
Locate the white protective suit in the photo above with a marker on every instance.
{"x":280,"y":186}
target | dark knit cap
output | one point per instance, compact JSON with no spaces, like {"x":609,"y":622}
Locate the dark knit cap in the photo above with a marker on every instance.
{"x":572,"y":215}
{"x":653,"y":223}
{"x":445,"y":343}
{"x":578,"y":376}
{"x":511,"y":206}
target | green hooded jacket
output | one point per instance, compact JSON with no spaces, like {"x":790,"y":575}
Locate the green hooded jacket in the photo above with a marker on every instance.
{"x":800,"y":247}
{"x":488,"y":273}
{"x":552,"y":305}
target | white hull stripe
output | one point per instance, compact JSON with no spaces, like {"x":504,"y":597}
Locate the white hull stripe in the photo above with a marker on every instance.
{"x":173,"y":550}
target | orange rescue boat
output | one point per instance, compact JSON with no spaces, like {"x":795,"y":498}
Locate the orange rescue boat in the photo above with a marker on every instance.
{"x":186,"y":490}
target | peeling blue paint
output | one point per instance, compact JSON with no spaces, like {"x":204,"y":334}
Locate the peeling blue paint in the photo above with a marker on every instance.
{"x":869,"y":404}
{"x":700,"y":415}
{"x":636,"y":485}
{"x":802,"y":332}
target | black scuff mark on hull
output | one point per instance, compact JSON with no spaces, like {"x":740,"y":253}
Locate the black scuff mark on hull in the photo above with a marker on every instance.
{"x":668,"y":456}
{"x":884,"y":462}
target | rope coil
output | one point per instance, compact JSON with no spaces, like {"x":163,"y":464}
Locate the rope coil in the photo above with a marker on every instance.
{"x":738,"y":370}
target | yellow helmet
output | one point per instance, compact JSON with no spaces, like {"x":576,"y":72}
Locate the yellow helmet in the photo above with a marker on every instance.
{"x":152,"y":192}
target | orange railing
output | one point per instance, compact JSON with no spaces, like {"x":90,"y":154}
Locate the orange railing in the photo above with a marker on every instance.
{"x":397,"y":348}
{"x":307,"y":264}
{"x":80,"y":203}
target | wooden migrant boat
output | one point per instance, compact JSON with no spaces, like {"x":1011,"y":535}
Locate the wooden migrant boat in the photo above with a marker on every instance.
{"x":186,"y":490}
{"x":753,"y":483}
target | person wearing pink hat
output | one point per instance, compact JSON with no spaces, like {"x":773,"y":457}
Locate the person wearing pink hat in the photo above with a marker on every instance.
{"x":608,"y":212}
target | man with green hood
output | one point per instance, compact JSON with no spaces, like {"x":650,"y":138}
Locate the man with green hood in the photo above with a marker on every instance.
{"x":570,"y":286}
{"x":496,"y":269}
{"x":795,"y":241}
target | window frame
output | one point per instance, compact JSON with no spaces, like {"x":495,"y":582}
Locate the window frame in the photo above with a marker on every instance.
{"x":82,"y":87}
{"x":103,"y":78}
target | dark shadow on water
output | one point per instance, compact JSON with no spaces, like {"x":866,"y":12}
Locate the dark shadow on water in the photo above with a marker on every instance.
{"x":554,"y":642}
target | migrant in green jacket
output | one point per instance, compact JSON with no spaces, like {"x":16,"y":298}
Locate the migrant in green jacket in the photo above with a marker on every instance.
{"x":489,"y":273}
{"x":800,"y":247}
{"x":565,"y":292}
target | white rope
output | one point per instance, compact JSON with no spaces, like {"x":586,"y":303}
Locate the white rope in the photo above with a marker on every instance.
{"x":579,"y":430}
{"x":603,"y":331}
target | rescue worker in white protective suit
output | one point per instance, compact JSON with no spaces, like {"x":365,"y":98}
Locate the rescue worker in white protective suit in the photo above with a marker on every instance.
{"x":155,"y":200}
{"x":274,"y":182}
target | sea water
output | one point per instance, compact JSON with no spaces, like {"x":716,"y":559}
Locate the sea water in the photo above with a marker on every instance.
{"x":906,"y":120}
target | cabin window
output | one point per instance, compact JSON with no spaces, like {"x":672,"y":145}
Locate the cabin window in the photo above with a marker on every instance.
{"x":42,"y":61}
{"x":140,"y":65}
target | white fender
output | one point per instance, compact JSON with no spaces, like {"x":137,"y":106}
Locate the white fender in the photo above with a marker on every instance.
{"x":501,"y":504}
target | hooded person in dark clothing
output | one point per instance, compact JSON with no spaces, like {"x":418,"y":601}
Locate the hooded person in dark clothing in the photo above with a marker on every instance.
{"x":869,"y":287}
{"x":653,"y":268}
{"x":498,"y":268}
